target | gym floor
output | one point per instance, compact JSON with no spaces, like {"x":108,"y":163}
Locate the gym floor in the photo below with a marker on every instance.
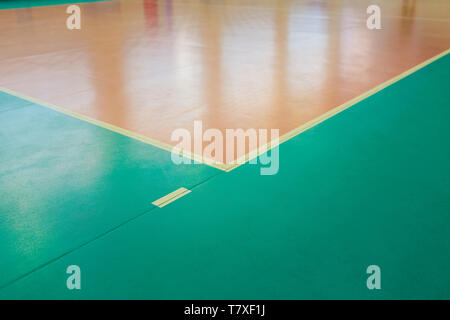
{"x":86,"y":118}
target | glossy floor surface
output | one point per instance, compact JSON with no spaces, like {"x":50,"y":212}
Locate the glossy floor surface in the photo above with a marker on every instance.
{"x":152,"y":66}
{"x":368,"y":186}
{"x":64,"y":182}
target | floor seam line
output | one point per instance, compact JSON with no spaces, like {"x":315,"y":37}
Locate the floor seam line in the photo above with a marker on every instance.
{"x":7,"y":284}
{"x":103,"y":234}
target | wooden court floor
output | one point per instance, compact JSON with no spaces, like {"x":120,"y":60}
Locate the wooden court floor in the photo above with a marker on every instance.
{"x":150,"y":67}
{"x":85,"y":123}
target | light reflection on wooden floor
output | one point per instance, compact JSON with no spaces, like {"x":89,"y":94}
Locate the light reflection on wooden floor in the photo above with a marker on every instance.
{"x":154,"y":66}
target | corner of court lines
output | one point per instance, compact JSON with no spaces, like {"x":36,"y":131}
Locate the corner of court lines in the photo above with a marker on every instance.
{"x":227,"y":167}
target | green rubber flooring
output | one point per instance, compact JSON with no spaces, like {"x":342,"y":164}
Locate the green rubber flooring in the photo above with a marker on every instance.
{"x":64,"y":182}
{"x":369,"y":186}
{"x":16,"y":4}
